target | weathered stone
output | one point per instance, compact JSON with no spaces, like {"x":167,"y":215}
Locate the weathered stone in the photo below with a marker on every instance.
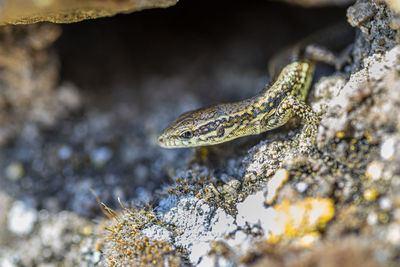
{"x":30,"y":94}
{"x":65,"y":11}
{"x":317,"y":3}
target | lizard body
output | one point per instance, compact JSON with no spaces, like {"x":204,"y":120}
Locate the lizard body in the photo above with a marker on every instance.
{"x":267,"y":110}
{"x":270,"y":108}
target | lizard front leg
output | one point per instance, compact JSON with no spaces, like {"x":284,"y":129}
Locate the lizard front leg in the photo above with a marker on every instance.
{"x":290,"y":106}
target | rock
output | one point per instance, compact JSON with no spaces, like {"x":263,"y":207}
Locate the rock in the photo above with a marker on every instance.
{"x":62,"y":237}
{"x":64,"y":152}
{"x":274,"y":198}
{"x":100,"y":156}
{"x":318,"y":3}
{"x":378,"y":29}
{"x":29,"y":92}
{"x":14,"y":171}
{"x":21,"y":218}
{"x":64,"y":11}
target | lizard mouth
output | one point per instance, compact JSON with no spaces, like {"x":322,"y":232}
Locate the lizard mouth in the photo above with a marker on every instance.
{"x":163,"y":142}
{"x":168,"y":143}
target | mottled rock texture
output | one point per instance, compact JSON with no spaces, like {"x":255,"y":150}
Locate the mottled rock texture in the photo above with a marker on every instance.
{"x":275,"y":199}
{"x":66,"y":11}
{"x":30,"y":93}
{"x":351,"y":176}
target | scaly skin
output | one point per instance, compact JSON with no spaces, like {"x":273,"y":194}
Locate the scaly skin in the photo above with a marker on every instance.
{"x":269,"y":109}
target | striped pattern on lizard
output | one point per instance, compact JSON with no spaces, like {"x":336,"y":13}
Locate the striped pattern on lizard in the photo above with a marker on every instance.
{"x":267,"y":110}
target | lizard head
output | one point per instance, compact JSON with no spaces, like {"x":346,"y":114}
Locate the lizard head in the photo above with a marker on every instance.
{"x":193,"y":128}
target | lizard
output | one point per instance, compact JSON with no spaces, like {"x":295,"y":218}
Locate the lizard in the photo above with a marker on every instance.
{"x":267,"y":110}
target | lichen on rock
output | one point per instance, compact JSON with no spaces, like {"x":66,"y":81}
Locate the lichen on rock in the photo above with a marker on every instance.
{"x":275,"y":199}
{"x":297,"y":199}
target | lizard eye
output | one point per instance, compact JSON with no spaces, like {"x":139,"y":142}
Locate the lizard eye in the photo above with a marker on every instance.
{"x":187,"y":135}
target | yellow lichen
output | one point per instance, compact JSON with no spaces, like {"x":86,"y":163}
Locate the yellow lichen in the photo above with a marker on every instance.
{"x":301,"y":218}
{"x":370,"y":194}
{"x":87,"y":230}
{"x":340,"y":135}
{"x":308,"y":240}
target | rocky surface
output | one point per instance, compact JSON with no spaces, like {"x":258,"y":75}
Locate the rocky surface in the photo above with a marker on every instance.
{"x":309,"y":203}
{"x":31,"y":96}
{"x":64,"y":11}
{"x":277,"y":199}
{"x":37,"y":237}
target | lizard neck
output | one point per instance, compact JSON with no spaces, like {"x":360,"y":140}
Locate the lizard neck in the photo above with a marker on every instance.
{"x":295,"y":79}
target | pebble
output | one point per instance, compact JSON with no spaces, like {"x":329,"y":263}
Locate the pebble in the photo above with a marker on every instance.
{"x":393,"y":234}
{"x":374,"y":170}
{"x":15,"y":171}
{"x":96,"y":256}
{"x":387,"y":149}
{"x":21,"y":218}
{"x":100,"y":156}
{"x":372,"y":218}
{"x":370,"y":194}
{"x":360,"y":12}
{"x":301,"y":187}
{"x":64,"y":152}
{"x":385,"y":203}
{"x":87,"y":230}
